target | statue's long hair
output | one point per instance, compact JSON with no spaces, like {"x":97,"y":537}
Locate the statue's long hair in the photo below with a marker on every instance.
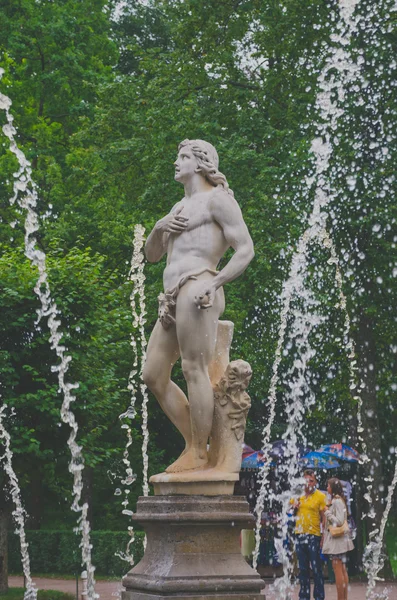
{"x":208,"y":161}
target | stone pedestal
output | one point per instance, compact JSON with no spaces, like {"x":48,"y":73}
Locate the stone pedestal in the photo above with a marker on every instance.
{"x":209,"y":482}
{"x":193,"y":550}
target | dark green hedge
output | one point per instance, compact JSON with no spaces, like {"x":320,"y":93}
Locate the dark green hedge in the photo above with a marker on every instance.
{"x":59,"y":552}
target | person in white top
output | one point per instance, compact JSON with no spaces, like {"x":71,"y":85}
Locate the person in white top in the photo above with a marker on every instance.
{"x":337,"y":547}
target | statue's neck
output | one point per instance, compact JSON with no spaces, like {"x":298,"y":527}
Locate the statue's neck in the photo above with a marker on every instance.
{"x":197,"y":184}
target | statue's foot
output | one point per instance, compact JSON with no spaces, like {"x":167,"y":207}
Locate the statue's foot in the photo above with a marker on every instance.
{"x":189,"y":460}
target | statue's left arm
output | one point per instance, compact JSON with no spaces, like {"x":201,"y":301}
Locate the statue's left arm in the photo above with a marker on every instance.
{"x":226,"y":212}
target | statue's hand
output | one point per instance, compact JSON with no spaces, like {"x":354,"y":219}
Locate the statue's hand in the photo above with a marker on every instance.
{"x":205,"y":299}
{"x":172,"y":223}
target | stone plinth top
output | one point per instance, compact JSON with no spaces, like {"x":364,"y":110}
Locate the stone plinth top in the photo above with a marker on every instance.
{"x":206,"y":482}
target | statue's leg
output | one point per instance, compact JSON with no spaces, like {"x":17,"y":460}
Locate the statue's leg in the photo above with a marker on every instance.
{"x":220,"y":359}
{"x":196,"y":330}
{"x":162,"y":354}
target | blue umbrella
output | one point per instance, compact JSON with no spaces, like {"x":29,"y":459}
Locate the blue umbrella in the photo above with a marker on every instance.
{"x":319,"y":460}
{"x":340,"y":451}
{"x":253,"y":461}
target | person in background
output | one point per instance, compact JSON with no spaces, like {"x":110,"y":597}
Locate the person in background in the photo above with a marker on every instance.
{"x":309,"y":510}
{"x":337,"y":547}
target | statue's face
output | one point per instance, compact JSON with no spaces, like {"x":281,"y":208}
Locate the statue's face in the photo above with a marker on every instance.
{"x":185,"y":165}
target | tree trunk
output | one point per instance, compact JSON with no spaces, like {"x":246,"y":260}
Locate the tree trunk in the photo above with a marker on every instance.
{"x":88,"y":475}
{"x":360,"y":541}
{"x":3,"y":550}
{"x":35,"y":507}
{"x":366,"y":350}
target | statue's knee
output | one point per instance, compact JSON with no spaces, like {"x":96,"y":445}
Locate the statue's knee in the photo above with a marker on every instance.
{"x":192,"y":370}
{"x":149,"y":378}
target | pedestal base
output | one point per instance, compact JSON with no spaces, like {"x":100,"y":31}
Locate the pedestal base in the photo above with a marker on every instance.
{"x":193,"y":550}
{"x":198,"y":596}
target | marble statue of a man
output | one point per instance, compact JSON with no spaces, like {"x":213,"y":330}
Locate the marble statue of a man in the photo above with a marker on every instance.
{"x":195,"y":235}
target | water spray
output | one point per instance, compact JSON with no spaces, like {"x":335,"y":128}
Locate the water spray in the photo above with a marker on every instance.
{"x":137,"y":277}
{"x":331,"y":94}
{"x":139,"y":319}
{"x":25,"y":195}
{"x":18,"y":513}
{"x":374,"y":558}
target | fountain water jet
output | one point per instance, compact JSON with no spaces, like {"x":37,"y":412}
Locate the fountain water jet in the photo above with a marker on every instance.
{"x":328,"y":100}
{"x":299,"y":398}
{"x":373,"y":559}
{"x":331,"y":113}
{"x":18,"y":513}
{"x":374,"y":143}
{"x":137,"y":278}
{"x":25,"y":194}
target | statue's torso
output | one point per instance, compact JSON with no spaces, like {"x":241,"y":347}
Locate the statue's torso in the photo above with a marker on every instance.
{"x":199,"y":247}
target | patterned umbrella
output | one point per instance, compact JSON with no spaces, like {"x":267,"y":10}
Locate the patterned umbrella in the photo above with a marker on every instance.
{"x":340,"y":451}
{"x":319,"y":460}
{"x":253,"y":460}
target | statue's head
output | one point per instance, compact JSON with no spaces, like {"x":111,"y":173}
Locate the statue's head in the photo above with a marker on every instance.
{"x":198,"y":156}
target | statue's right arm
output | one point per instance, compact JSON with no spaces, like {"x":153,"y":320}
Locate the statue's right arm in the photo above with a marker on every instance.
{"x":157,"y":241}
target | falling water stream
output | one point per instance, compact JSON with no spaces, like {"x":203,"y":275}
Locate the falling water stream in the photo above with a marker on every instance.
{"x":18,"y":513}
{"x":330,"y":95}
{"x":299,"y":399}
{"x":25,"y":195}
{"x":139,"y":319}
{"x":374,"y":558}
{"x":137,"y":277}
{"x":329,"y":103}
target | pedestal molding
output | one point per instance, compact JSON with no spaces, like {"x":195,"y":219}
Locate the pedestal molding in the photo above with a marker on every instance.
{"x":193,"y":550}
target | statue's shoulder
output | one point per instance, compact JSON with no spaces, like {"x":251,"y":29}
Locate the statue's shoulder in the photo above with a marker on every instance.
{"x":220,"y":196}
{"x":222,"y":203}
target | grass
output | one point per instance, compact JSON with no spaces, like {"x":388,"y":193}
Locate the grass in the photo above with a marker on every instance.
{"x":17,"y":594}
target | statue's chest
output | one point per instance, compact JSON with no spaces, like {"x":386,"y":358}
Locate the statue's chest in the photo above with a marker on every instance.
{"x":198,"y":214}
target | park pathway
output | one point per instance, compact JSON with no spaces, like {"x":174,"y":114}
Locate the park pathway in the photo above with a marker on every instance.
{"x":108,"y":590}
